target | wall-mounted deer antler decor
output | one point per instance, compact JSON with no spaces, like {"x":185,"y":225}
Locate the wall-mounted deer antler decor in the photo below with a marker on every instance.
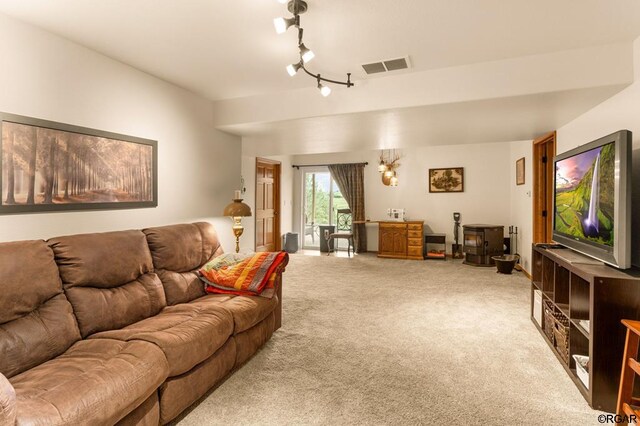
{"x":387,"y":167}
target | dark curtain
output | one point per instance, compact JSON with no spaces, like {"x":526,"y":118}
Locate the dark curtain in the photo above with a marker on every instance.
{"x":350,"y":180}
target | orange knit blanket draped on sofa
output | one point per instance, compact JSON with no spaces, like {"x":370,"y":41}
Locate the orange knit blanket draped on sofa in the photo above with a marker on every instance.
{"x":253,"y":276}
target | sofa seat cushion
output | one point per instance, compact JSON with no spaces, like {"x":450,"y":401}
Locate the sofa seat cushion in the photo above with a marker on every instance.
{"x":247,"y":311}
{"x":187,"y":334}
{"x":93,"y":382}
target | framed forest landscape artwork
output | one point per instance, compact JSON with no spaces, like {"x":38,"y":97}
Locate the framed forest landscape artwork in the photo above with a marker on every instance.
{"x":48,"y":166}
{"x":446,"y":180}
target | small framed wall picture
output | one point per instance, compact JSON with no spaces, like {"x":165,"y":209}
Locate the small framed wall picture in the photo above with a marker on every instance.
{"x":520,"y":171}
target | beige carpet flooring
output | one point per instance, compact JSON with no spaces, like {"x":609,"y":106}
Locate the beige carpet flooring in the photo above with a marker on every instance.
{"x":372,"y":341}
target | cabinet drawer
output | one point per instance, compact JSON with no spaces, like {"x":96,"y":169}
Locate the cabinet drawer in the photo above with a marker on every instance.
{"x":415,"y":226}
{"x":393,"y":225}
{"x":415,"y":242}
{"x":412,"y":233}
{"x":414,"y":251}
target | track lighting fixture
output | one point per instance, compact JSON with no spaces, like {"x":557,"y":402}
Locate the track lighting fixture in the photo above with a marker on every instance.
{"x":298,"y":7}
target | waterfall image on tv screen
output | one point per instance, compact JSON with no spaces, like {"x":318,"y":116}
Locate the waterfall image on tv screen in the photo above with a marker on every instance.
{"x":585,"y":189}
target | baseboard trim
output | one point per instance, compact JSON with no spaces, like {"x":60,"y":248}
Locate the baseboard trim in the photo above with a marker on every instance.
{"x":450,"y":256}
{"x":524,"y":271}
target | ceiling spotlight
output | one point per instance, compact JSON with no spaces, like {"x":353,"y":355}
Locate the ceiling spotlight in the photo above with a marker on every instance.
{"x":305,"y":53}
{"x":324,"y":90}
{"x":292,"y":69}
{"x":282,"y":24}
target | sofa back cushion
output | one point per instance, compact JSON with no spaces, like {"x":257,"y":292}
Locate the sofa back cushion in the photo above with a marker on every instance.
{"x":108,"y":278}
{"x":36,"y":320}
{"x":178,"y":251}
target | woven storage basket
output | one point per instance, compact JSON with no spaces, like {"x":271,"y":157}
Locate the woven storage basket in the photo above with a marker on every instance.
{"x":549,"y":320}
{"x":561,"y":333}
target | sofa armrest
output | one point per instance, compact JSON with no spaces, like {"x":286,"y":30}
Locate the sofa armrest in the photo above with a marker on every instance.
{"x":7,"y":403}
{"x":278,"y":311}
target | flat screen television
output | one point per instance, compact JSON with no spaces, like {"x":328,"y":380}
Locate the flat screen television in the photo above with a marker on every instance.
{"x":592,"y":199}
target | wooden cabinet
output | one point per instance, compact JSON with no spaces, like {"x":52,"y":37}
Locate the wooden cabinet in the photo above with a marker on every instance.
{"x":393,"y":240}
{"x":401,"y":240}
{"x":590,"y":300}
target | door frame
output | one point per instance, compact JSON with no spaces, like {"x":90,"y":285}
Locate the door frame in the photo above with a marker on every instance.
{"x":276,"y":202}
{"x":544,"y":149}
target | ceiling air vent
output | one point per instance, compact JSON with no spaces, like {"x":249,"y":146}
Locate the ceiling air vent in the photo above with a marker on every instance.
{"x":387,"y":65}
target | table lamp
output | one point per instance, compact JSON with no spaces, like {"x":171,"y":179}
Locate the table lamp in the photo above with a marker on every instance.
{"x":237,"y":210}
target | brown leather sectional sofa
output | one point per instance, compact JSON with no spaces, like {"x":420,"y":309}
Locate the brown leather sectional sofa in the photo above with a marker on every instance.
{"x":115,"y":328}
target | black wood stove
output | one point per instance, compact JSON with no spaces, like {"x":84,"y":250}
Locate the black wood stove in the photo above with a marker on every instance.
{"x":481,"y":242}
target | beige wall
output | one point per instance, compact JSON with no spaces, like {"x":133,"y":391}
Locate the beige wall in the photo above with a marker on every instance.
{"x":521,"y":201}
{"x":47,"y":77}
{"x":487,"y":186}
{"x":616,"y":113}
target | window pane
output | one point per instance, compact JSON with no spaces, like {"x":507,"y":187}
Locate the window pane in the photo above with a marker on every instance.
{"x":316,"y":206}
{"x":322,"y":198}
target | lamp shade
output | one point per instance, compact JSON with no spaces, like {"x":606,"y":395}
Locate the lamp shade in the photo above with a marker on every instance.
{"x":237,"y":209}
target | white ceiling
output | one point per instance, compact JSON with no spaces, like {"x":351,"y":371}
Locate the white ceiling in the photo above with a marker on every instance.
{"x":485,"y":121}
{"x":228,"y":48}
{"x":225,"y":50}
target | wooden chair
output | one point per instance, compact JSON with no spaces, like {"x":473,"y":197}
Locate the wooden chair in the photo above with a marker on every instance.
{"x":627,"y":404}
{"x":343,"y":223}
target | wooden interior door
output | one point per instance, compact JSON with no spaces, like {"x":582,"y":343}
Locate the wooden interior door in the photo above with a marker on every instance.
{"x":267,"y":205}
{"x":544,"y":149}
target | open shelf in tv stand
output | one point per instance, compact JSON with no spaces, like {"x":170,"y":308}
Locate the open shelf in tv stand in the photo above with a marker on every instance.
{"x":598,"y":293}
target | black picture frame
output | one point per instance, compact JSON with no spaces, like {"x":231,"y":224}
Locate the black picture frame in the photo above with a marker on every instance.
{"x":100,"y":180}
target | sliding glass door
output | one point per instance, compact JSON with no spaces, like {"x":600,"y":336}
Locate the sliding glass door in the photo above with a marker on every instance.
{"x":321,"y":200}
